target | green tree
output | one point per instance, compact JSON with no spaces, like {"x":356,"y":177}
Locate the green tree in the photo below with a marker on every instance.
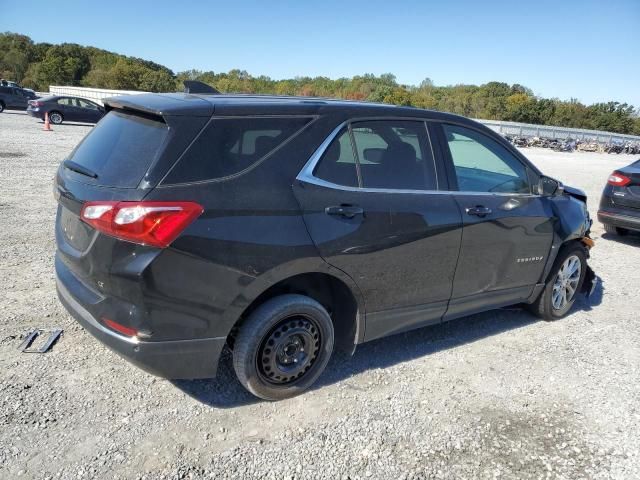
{"x":492,"y":99}
{"x":612,"y":117}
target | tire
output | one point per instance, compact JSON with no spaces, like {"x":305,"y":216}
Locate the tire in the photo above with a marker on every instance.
{"x":611,"y":230}
{"x":300,"y":332}
{"x":55,"y":117}
{"x":549,"y":306}
{"x":1,"y":107}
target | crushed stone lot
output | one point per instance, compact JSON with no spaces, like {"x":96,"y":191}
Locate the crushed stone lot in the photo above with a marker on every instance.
{"x":494,"y":395}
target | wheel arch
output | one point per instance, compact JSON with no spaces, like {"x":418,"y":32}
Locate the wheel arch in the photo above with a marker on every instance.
{"x":330,"y":287}
{"x":559,"y":244}
{"x":572,"y":224}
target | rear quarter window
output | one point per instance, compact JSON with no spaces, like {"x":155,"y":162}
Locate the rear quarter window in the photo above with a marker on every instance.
{"x":121,"y":148}
{"x":228,"y":146}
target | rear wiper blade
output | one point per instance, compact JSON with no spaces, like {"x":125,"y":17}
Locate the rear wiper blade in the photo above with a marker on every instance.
{"x":73,"y":166}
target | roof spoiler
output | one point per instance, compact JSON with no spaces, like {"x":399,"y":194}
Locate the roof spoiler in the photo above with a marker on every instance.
{"x":161,"y":105}
{"x":195,"y":86}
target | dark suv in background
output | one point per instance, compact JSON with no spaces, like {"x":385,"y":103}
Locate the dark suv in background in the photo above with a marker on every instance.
{"x":286,"y":227}
{"x":15,"y":98}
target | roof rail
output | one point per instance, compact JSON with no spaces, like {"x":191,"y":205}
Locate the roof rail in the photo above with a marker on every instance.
{"x":195,"y":86}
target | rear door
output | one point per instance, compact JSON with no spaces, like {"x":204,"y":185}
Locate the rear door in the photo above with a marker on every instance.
{"x":371,"y":203}
{"x":66,"y":106}
{"x":507,"y":229}
{"x":75,"y":111}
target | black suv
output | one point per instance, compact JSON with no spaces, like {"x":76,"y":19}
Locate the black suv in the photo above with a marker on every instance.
{"x":286,"y":227}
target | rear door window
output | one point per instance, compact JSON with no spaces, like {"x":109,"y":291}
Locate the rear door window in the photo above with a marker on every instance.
{"x":120,"y":149}
{"x":394,"y":154}
{"x":390,"y":154}
{"x":228,"y":146}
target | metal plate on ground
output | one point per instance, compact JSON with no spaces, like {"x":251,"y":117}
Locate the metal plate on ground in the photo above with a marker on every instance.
{"x":27,"y":345}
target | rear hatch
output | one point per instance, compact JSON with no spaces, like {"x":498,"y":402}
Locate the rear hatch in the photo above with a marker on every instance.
{"x":121,"y":159}
{"x":628,"y":196}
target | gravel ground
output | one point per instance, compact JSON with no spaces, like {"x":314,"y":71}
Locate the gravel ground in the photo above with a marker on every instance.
{"x":495,"y":395}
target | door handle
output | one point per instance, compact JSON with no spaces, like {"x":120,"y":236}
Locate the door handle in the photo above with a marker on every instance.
{"x":479,"y":211}
{"x":347,"y":211}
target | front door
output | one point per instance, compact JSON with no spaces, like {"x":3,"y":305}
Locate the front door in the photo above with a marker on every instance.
{"x":507,"y":229}
{"x":371,"y":205}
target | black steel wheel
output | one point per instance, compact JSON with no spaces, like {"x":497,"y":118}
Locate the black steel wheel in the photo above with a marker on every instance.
{"x":289,"y":350}
{"x":283,"y":347}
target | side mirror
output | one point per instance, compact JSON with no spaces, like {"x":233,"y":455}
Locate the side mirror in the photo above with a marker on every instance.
{"x":549,"y":187}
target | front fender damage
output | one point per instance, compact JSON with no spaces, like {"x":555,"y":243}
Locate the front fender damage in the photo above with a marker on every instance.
{"x":574,"y":223}
{"x":590,"y":281}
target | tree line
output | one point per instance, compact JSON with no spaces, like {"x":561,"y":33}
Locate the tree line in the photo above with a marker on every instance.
{"x":38,"y":65}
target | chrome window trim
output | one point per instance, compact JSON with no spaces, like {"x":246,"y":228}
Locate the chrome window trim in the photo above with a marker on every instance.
{"x":306,"y":174}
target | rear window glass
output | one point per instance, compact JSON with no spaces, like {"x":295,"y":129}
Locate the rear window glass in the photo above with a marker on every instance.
{"x":230,"y":145}
{"x":121,"y":148}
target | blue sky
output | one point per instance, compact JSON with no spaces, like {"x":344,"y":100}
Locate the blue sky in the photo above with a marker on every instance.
{"x":563,"y":48}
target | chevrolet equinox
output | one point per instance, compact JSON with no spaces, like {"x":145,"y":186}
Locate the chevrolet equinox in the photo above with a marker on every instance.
{"x":284,"y":228}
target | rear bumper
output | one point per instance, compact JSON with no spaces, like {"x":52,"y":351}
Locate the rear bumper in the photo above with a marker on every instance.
{"x":36,"y":114}
{"x":620,"y":218}
{"x":180,"y":359}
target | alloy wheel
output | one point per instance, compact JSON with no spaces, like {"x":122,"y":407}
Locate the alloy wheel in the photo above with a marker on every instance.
{"x":566,"y":284}
{"x":55,"y":118}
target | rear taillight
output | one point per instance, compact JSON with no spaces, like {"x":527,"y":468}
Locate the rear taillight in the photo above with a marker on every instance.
{"x":35,"y":103}
{"x":147,"y":223}
{"x":618,"y":180}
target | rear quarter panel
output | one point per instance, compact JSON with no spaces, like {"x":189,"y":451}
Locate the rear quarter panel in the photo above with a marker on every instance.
{"x":250,"y":236}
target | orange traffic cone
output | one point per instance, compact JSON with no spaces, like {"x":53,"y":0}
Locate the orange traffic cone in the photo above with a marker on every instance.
{"x":47,"y":125}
